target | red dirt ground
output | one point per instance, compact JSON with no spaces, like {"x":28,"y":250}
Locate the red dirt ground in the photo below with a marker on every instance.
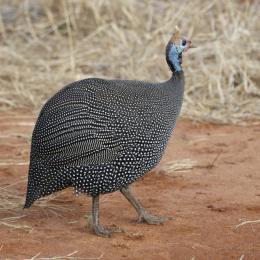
{"x":221,"y":191}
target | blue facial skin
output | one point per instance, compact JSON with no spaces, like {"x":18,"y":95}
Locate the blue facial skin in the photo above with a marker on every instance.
{"x":174,"y":56}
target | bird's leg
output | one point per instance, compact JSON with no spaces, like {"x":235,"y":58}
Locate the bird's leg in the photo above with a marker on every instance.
{"x":144,"y":216}
{"x":99,"y":229}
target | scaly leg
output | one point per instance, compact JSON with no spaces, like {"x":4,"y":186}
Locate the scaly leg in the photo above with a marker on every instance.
{"x":144,"y":216}
{"x":99,"y":229}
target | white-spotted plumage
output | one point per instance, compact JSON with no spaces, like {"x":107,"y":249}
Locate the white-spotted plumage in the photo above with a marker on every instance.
{"x":99,"y":136}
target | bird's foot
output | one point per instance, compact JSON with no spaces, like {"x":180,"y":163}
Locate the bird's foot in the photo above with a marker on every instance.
{"x":106,"y":231}
{"x":152,"y":220}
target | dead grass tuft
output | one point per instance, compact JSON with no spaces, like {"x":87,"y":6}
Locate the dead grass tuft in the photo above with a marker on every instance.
{"x":178,"y":166}
{"x":247,"y":222}
{"x":10,"y":223}
{"x":47,"y":44}
{"x":12,"y":200}
{"x":69,"y":256}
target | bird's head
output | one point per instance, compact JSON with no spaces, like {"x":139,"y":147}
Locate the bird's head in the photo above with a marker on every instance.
{"x":174,"y":49}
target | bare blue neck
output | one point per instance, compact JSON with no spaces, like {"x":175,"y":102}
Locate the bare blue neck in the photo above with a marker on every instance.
{"x":174,"y":56}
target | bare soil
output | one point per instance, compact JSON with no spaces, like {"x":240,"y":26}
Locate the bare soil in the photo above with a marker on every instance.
{"x":208,"y":202}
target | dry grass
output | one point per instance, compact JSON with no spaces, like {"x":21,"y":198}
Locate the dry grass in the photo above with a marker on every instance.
{"x":13,"y":201}
{"x":9,"y":222}
{"x":46,"y":44}
{"x":178,"y":166}
{"x":247,"y":222}
{"x":69,"y":256}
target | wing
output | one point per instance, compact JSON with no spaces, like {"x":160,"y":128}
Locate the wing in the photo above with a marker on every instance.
{"x":77,"y":127}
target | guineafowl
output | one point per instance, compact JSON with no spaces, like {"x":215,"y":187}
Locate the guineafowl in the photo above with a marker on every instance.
{"x":99,"y":136}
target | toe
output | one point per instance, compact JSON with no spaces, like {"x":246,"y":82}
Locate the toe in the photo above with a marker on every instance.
{"x":107,"y":232}
{"x":153,"y":220}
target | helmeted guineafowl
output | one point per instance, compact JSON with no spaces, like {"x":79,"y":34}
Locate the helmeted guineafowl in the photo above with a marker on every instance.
{"x":99,"y":135}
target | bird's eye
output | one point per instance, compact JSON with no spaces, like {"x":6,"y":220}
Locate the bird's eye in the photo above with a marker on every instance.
{"x":184,"y":42}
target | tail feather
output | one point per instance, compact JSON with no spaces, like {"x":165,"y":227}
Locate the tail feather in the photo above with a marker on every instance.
{"x":43,"y":181}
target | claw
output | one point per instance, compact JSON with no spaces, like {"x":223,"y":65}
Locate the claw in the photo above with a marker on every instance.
{"x":94,"y":221}
{"x":106,"y":232}
{"x":153,"y":220}
{"x":143,"y":215}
